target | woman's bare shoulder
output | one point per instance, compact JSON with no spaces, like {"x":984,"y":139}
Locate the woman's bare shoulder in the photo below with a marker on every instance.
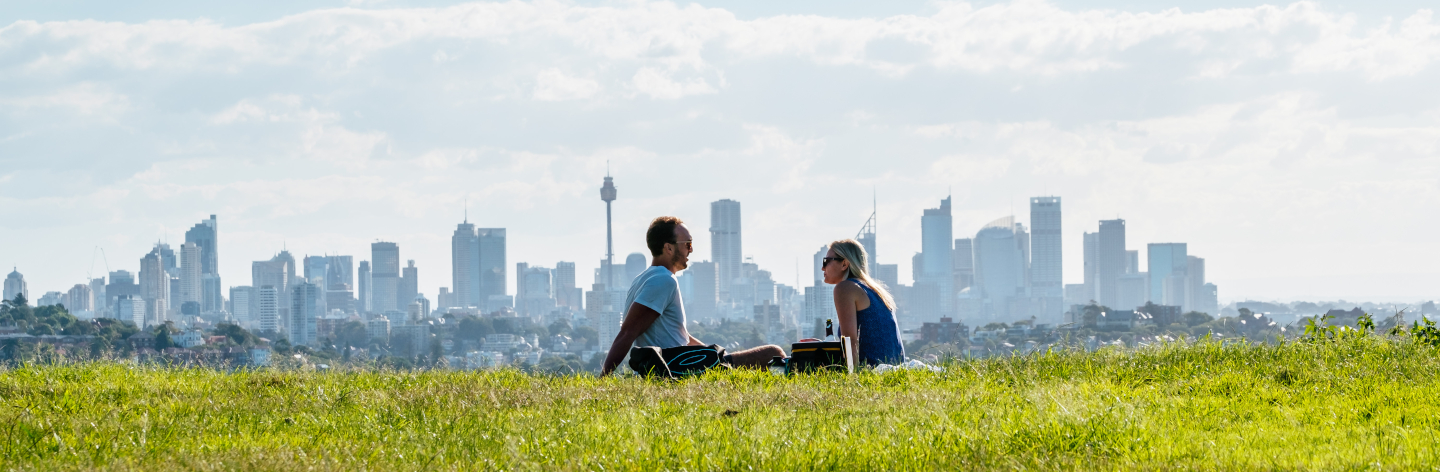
{"x":849,"y":287}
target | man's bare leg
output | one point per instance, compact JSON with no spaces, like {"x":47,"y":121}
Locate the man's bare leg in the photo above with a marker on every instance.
{"x":755,"y":356}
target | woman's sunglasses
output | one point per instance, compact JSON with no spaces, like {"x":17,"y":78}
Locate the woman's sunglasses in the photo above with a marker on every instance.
{"x":824,"y":261}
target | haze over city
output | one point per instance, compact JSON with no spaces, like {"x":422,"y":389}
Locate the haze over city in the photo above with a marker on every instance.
{"x":1303,"y":168}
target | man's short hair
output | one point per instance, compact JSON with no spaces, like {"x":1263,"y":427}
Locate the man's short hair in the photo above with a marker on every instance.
{"x":662,"y":230}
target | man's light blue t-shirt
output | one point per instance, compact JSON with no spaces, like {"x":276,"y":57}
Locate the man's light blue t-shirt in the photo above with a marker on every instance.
{"x":658,"y":289}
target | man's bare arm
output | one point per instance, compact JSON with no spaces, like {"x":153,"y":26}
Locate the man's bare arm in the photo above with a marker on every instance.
{"x":637,"y":319}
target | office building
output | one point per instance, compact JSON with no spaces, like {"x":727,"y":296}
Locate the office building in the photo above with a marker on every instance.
{"x":866,"y":238}
{"x":316,"y":267}
{"x":267,"y":310}
{"x":130,"y":308}
{"x":1168,"y":265}
{"x":363,"y":295}
{"x":1196,"y":296}
{"x":999,"y":269}
{"x":77,"y":299}
{"x":492,"y":268}
{"x":1132,"y":291}
{"x":725,"y":246}
{"x":1092,"y":267}
{"x":1111,"y":261}
{"x":534,"y":291}
{"x":339,"y":272}
{"x":963,"y":256}
{"x":206,"y":236}
{"x":385,"y":277}
{"x":566,"y":293}
{"x":936,"y":274}
{"x":242,"y":306}
{"x":155,"y":287}
{"x":122,"y":284}
{"x":1046,"y":261}
{"x":705,"y":290}
{"x":307,"y":304}
{"x":465,"y":265}
{"x":100,"y":302}
{"x":409,"y":283}
{"x":190,"y":273}
{"x":15,"y":285}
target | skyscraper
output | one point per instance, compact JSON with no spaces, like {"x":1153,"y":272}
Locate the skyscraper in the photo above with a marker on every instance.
{"x":15,"y":285}
{"x":937,"y":249}
{"x":306,"y":305}
{"x":492,"y":267}
{"x":364,"y":303}
{"x":725,"y":247}
{"x":206,"y":235}
{"x":1196,"y":297}
{"x":566,"y":293}
{"x":122,"y":284}
{"x":267,"y":309}
{"x":340,"y":273}
{"x":315,"y":269}
{"x":963,"y":256}
{"x":242,"y":306}
{"x":385,"y":277}
{"x":99,"y":300}
{"x":999,"y":267}
{"x":705,"y":288}
{"x":190,"y":269}
{"x":1168,"y":264}
{"x":155,"y":287}
{"x":1092,"y":266}
{"x":274,"y":273}
{"x":409,"y":285}
{"x":866,"y":238}
{"x":465,"y":266}
{"x":1045,"y":248}
{"x":1111,"y":263}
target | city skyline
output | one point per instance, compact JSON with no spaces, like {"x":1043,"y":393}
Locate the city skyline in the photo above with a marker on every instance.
{"x":1257,"y":158}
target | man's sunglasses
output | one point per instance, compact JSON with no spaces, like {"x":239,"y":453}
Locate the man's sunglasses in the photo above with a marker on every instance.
{"x":824,"y":261}
{"x":688,"y":245}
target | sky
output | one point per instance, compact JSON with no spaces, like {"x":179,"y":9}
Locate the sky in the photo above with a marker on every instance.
{"x":1296,"y":147}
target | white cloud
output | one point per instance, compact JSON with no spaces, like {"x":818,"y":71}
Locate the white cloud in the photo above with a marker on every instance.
{"x":553,"y":85}
{"x":656,"y":84}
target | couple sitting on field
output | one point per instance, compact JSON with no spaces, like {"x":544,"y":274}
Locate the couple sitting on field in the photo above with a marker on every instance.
{"x":655,"y":314}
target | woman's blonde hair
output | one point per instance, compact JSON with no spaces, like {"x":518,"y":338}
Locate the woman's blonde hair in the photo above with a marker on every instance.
{"x":854,"y":253}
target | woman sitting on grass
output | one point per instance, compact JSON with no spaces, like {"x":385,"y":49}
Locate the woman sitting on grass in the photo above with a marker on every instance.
{"x":865,"y":308}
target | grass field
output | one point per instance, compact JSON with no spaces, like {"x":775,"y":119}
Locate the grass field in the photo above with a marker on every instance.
{"x":1362,"y":403}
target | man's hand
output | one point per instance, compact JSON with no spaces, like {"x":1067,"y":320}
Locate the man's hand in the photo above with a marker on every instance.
{"x":637,"y":319}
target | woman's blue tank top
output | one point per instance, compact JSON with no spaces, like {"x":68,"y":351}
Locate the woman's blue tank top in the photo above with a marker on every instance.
{"x":879,"y":335}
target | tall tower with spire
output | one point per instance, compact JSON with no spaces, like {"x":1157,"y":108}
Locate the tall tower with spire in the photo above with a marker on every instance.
{"x":607,"y":193}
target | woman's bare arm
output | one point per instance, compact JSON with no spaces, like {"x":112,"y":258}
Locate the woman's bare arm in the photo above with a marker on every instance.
{"x":847,"y":296}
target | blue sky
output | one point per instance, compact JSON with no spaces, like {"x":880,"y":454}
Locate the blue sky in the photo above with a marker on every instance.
{"x":1293,"y":145}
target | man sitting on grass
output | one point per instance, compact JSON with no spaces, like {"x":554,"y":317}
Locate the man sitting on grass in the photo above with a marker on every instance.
{"x":655,"y":315}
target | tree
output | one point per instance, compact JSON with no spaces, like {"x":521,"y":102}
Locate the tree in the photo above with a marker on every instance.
{"x":560,"y":327}
{"x":1091,"y":315}
{"x":162,"y":337}
{"x":352,"y":333}
{"x":437,"y":351}
{"x":589,"y":334}
{"x":1196,"y":318}
{"x":235,"y":334}
{"x":474,"y":328}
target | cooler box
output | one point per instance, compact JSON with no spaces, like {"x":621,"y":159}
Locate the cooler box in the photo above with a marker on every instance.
{"x":819,"y":355}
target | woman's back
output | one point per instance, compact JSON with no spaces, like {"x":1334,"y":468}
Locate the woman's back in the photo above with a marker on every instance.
{"x":879,"y":335}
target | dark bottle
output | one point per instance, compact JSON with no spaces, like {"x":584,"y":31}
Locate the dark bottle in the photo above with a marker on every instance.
{"x":829,"y":329}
